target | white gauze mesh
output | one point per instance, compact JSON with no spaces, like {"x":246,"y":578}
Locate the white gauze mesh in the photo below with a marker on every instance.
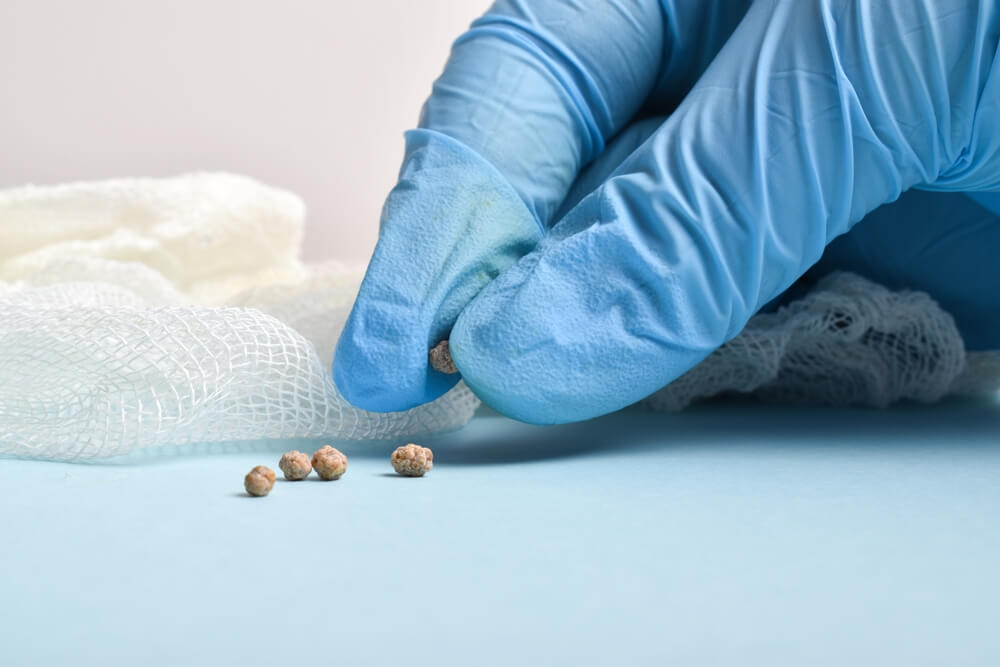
{"x":849,"y":341}
{"x":139,"y":313}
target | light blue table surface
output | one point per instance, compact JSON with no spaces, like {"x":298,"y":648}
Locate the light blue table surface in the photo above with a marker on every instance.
{"x":731,"y":533}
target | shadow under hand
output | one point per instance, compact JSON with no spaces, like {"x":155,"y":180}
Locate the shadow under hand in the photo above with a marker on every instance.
{"x":493,"y":439}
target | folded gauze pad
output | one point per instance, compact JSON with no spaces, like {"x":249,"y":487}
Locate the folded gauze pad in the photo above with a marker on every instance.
{"x":140,"y":313}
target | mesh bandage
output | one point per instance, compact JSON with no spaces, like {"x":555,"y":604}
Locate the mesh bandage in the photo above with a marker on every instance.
{"x":140,"y":313}
{"x":847,"y":342}
{"x":143,"y":313}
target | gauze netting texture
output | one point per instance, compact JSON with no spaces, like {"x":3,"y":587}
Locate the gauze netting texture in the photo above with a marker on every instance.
{"x":139,"y":313}
{"x":849,"y":341}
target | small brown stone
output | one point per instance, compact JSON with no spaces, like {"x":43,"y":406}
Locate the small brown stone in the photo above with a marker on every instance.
{"x":329,"y":463}
{"x":259,"y":481}
{"x":295,"y":465}
{"x":440,"y":358}
{"x":412,"y":460}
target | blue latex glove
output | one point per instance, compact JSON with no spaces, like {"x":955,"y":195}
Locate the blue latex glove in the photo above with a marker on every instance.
{"x":808,"y":117}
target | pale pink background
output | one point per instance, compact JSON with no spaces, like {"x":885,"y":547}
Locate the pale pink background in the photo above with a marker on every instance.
{"x":310,"y":95}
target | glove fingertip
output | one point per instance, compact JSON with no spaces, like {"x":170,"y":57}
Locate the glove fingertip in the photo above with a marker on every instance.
{"x":388,"y":378}
{"x":496,"y":365}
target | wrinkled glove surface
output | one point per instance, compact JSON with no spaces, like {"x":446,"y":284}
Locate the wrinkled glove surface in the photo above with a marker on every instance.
{"x":602,"y":193}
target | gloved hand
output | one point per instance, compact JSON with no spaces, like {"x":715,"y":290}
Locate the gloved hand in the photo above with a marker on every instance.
{"x":788,"y":122}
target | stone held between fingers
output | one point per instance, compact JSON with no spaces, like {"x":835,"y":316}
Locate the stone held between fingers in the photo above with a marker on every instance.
{"x":329,"y":463}
{"x":440,"y":358}
{"x":412,"y":460}
{"x":259,"y":481}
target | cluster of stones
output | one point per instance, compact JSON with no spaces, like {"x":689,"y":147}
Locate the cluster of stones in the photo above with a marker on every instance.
{"x":409,"y":461}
